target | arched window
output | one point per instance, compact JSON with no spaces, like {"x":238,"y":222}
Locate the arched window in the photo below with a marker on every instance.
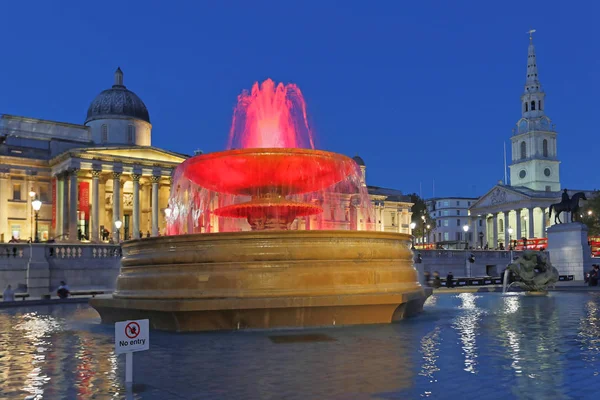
{"x":130,"y":134}
{"x":104,"y":132}
{"x":545,"y":147}
{"x":526,"y":106}
{"x":532,"y":105}
{"x":539,"y":105}
{"x":523,"y":150}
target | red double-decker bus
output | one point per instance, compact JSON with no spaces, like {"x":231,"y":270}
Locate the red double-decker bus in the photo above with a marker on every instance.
{"x":594,"y":245}
{"x":531,"y":244}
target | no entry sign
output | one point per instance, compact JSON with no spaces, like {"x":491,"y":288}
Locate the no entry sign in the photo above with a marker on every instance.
{"x":132,"y":336}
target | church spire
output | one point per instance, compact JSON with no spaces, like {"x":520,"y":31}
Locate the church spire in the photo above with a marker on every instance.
{"x":118,"y":77}
{"x":532,"y":84}
{"x":533,"y":97}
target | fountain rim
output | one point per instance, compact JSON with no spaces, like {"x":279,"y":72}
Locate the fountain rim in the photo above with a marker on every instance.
{"x":262,"y":151}
{"x":266,"y":235}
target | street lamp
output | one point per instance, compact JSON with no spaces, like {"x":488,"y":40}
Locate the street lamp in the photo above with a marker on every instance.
{"x":427,"y":233}
{"x":36,"y":204}
{"x":412,"y":228}
{"x":32,"y":196}
{"x":590,"y":212}
{"x":510,"y":231}
{"x":466,"y":229}
{"x":118,"y":225}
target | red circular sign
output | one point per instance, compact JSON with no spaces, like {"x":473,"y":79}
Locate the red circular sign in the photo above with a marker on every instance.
{"x":132,"y":330}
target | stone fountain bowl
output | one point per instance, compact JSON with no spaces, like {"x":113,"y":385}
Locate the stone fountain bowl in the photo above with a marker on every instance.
{"x":265,"y":280}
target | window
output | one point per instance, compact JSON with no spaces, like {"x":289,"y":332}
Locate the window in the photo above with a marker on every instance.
{"x":439,"y":203}
{"x":445,"y":213}
{"x":439,"y":223}
{"x":445,"y":222}
{"x":468,"y":204}
{"x":445,"y":204}
{"x":458,"y":222}
{"x":545,"y":147}
{"x":526,"y":107}
{"x":130,"y":134}
{"x":532,"y":105}
{"x":104,"y":131}
{"x":446,"y":236}
{"x":523,"y":150}
{"x":15,"y":231}
{"x":43,"y":194}
{"x":16,"y":191}
{"x":480,"y":222}
{"x":457,"y":212}
{"x":457,"y":203}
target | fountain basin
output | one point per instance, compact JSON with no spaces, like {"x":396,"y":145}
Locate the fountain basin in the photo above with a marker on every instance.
{"x":265,"y":279}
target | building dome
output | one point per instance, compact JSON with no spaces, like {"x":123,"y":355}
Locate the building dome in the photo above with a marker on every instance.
{"x":117,"y":102}
{"x":359,"y":161}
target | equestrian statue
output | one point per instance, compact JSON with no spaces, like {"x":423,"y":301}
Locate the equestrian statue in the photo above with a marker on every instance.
{"x":567,"y":204}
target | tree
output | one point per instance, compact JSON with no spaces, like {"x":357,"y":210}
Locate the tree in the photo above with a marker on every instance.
{"x":419,"y":210}
{"x":590,"y":213}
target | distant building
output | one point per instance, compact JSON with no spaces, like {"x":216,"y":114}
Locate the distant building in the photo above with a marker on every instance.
{"x":451,"y":214}
{"x":510,"y":212}
{"x":87,"y":176}
{"x":392,"y":208}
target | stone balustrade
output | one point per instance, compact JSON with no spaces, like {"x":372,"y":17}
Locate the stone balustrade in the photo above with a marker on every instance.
{"x":41,"y":266}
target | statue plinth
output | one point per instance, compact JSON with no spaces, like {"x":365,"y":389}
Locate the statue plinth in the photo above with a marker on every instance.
{"x":569,"y":250}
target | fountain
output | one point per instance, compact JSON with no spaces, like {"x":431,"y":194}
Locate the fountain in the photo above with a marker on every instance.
{"x":533,"y":273}
{"x":269,"y":233}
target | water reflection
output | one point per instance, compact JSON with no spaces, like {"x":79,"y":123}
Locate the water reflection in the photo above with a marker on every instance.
{"x":467,"y":324}
{"x":589,"y":334}
{"x":529,"y":328}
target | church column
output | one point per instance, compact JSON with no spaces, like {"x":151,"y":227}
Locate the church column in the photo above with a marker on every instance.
{"x":495,"y":230}
{"x":506,"y":228}
{"x":155,"y":180}
{"x":95,"y":234}
{"x":136,"y":205}
{"x":116,"y":201}
{"x":531,"y":226}
{"x":543,"y":221}
{"x":519,"y":234}
{"x":73,"y":217}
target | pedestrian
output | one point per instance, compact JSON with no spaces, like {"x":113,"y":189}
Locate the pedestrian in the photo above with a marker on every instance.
{"x":8,"y":294}
{"x":449,"y":279}
{"x":427,"y":277}
{"x":594,"y":275}
{"x":437,"y":282}
{"x":63,"y":290}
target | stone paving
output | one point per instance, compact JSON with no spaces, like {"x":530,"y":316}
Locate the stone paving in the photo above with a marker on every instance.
{"x":464,"y":346}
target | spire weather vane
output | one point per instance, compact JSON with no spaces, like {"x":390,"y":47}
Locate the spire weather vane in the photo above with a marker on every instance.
{"x":530,"y":32}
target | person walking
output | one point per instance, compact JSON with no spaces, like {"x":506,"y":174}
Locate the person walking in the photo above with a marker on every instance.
{"x":449,"y":280}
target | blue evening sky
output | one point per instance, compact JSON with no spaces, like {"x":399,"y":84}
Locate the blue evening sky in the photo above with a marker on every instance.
{"x":421,"y":90}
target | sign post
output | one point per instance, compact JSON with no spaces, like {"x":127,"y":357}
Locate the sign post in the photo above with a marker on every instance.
{"x":131,"y":336}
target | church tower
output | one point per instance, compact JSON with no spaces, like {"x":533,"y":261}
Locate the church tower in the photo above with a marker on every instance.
{"x":534,"y":162}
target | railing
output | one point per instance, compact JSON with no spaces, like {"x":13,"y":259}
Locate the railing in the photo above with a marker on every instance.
{"x":462,"y":254}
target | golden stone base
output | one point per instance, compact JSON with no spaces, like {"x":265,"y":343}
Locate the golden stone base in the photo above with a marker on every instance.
{"x":536,"y":293}
{"x":267,"y":280}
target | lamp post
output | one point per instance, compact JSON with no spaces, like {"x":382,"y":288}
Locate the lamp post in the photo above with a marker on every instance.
{"x":510,"y":231}
{"x":118,"y":225}
{"x":423,"y":236}
{"x":466,"y":229}
{"x":412,"y":236}
{"x":36,"y":204}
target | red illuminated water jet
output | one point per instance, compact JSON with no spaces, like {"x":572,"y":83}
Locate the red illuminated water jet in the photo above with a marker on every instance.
{"x":270,"y":162}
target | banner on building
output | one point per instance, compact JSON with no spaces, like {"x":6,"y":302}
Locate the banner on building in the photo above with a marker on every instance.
{"x":54,"y":200}
{"x":84,"y":198}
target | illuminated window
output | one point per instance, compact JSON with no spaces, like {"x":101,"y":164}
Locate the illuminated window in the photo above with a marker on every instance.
{"x":17,"y":191}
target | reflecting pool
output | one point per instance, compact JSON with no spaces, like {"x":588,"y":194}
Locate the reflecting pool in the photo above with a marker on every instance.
{"x":468,"y":345}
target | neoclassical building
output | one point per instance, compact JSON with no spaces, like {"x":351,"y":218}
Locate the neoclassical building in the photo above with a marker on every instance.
{"x":510,"y":212}
{"x":87,"y":176}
